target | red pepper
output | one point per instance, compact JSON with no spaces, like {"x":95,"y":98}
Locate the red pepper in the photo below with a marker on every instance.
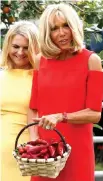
{"x":46,"y":156}
{"x":52,"y":150}
{"x":35,"y":156}
{"x":30,"y":155}
{"x":36,"y":149}
{"x":26,"y":147}
{"x":38,"y":141}
{"x":44,"y":151}
{"x":25,"y":155}
{"x":21,"y":150}
{"x":31,"y":143}
{"x":54,"y":142}
{"x":60,"y":149}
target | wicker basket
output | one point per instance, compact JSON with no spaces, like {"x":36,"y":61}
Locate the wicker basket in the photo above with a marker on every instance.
{"x":42,"y":167}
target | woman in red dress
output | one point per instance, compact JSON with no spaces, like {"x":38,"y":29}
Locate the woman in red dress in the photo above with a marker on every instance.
{"x":68,"y":84}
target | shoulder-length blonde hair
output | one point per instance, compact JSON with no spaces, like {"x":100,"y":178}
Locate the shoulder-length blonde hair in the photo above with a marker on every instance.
{"x":48,"y":48}
{"x":29,"y":31}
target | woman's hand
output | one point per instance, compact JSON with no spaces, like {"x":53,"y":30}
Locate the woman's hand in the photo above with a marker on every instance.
{"x":50,"y":121}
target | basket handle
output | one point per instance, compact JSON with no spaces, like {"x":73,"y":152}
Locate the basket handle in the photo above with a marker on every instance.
{"x":35,"y":123}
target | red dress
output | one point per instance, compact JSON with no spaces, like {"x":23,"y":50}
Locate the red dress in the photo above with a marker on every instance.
{"x":68,"y":86}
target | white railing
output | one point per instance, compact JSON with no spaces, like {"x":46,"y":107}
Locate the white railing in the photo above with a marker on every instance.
{"x":98,"y":139}
{"x":99,"y":174}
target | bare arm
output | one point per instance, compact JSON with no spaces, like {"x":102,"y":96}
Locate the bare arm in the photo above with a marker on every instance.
{"x":33,"y":130}
{"x":84,"y":116}
{"x":88,"y":115}
{"x":80,"y":117}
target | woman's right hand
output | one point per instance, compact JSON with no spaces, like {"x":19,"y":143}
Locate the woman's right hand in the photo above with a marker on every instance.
{"x":49,"y":121}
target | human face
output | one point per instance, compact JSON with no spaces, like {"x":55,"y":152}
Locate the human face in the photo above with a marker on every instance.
{"x":61,"y":34}
{"x":18,"y":52}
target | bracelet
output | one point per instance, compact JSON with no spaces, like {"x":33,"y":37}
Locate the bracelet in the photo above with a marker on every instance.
{"x":65,"y":117}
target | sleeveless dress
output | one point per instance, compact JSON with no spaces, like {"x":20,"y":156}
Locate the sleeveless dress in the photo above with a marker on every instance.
{"x":15,"y":96}
{"x":68,"y":86}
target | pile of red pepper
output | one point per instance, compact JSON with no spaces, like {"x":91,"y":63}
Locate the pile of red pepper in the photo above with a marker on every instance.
{"x":41,"y":149}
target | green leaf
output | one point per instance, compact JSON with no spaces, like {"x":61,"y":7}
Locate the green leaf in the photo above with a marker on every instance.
{"x":98,"y":126}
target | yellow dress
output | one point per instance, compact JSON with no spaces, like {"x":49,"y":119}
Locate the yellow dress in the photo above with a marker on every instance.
{"x":15,"y":96}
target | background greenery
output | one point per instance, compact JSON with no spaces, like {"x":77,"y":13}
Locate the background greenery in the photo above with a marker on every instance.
{"x":91,"y":13}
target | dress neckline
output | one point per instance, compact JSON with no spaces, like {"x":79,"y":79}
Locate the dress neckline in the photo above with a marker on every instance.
{"x":20,"y":72}
{"x":70,"y":58}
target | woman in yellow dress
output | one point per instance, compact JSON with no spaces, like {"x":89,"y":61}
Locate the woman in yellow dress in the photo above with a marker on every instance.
{"x":18,"y":59}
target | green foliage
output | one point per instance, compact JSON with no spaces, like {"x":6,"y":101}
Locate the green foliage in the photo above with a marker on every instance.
{"x":99,"y":167}
{"x":9,"y":12}
{"x":98,"y":126}
{"x":31,"y":9}
{"x":91,"y":12}
{"x":101,"y":56}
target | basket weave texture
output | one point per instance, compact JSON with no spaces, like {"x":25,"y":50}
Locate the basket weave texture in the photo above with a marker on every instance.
{"x":50,"y":167}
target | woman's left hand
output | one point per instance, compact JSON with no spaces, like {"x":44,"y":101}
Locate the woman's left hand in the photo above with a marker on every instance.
{"x":50,"y":121}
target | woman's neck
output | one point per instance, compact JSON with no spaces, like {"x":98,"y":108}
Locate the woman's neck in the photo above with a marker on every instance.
{"x":65,"y":55}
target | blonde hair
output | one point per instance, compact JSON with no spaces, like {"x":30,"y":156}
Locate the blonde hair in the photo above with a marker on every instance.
{"x":29,"y":31}
{"x":48,"y":48}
